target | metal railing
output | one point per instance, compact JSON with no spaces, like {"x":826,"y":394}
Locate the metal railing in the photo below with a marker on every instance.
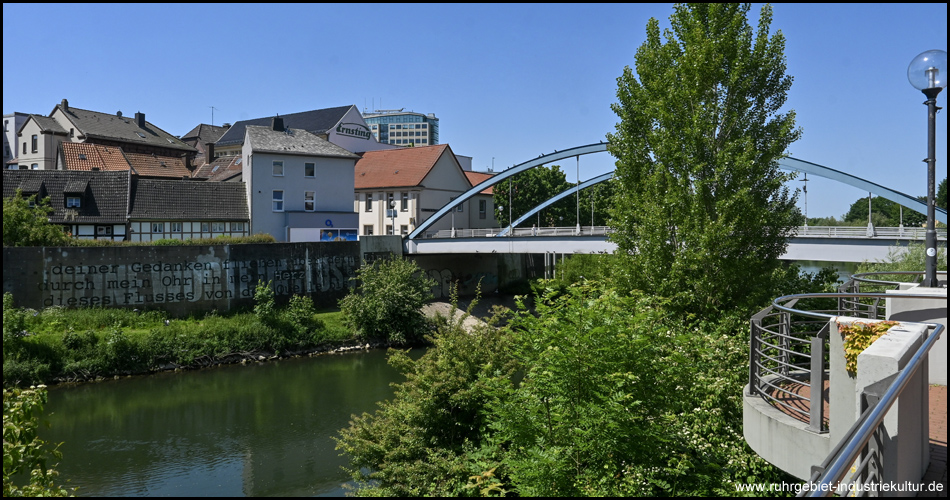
{"x":918,"y":233}
{"x":808,"y":231}
{"x":522,"y":232}
{"x":787,"y":358}
{"x":781,"y":341}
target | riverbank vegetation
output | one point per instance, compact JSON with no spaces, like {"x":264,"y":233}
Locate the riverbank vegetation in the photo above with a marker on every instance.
{"x":59,"y":344}
{"x":25,"y":455}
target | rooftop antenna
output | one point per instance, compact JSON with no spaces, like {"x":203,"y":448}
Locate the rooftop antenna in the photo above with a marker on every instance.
{"x":212,"y":114}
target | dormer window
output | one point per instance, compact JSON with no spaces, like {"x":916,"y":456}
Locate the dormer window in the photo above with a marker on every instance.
{"x":82,"y":156}
{"x":72,"y":202}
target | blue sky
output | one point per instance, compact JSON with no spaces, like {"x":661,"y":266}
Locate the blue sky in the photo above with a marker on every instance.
{"x":507,"y":82}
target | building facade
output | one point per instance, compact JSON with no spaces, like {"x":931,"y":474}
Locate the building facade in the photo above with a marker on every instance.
{"x":403,"y":128}
{"x":397,"y":190}
{"x":299,"y":185}
{"x":40,"y":136}
{"x":11,"y":123}
{"x":117,"y":205}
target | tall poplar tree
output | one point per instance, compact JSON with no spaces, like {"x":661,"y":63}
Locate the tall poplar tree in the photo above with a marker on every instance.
{"x":701,"y":209}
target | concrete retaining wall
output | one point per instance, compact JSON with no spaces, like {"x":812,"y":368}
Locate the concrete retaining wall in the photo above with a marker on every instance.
{"x":178,"y":279}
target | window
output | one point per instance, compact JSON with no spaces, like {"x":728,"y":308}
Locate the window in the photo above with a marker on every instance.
{"x":36,"y":144}
{"x":176,"y":227}
{"x":72,"y":202}
{"x":389,"y":229}
{"x":217,"y":227}
{"x":82,"y":156}
{"x":368,"y":230}
{"x":278,"y":168}
{"x":308,"y":201}
{"x":278,"y":200}
{"x":405,"y":202}
{"x":369,"y":203}
{"x":482,"y":208}
{"x":104,"y":230}
{"x":237,"y":226}
{"x":34,"y":166}
{"x":403,"y":230}
{"x":205,"y":227}
{"x":24,"y":147}
{"x":390,"y":197}
{"x":309,"y":169}
{"x":458,"y":208}
{"x":158,"y":227}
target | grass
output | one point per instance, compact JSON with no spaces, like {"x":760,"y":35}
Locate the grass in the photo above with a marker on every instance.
{"x":58,"y":344}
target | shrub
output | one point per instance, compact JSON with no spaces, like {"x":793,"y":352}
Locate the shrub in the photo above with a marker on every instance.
{"x":386,"y":303}
{"x":264,"y":306}
{"x":23,"y":452}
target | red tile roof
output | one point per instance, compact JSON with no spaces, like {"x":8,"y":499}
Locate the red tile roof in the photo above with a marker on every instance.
{"x":404,"y":167}
{"x":477,"y":178}
{"x":86,"y":156}
{"x":158,"y":166}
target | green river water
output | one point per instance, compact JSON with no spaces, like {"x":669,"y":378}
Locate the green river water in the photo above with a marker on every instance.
{"x":262,"y":430}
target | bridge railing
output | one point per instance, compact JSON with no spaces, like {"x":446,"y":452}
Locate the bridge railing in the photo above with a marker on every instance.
{"x":917,"y":233}
{"x":522,"y":232}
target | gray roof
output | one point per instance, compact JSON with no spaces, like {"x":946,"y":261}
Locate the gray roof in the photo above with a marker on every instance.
{"x":104,"y":197}
{"x":121,"y":128}
{"x":188,"y":200}
{"x":293,"y":141}
{"x":318,"y":121}
{"x":203,"y":134}
{"x":46,"y":124}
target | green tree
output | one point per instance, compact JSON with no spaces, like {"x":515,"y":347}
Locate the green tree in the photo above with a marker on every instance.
{"x":531,"y":188}
{"x":701,"y":209}
{"x":884,"y":213}
{"x":26,"y":223}
{"x":386,"y":303}
{"x":598,"y":198}
{"x":24,"y":453}
{"x":941,"y":200}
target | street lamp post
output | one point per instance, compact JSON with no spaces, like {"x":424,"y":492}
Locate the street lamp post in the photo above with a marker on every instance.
{"x":927,"y":73}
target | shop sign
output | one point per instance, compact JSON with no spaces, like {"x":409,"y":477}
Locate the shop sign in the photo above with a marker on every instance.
{"x":353,"y":130}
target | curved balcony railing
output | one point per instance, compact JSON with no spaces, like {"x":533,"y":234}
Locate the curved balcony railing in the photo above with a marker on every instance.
{"x":789,"y":353}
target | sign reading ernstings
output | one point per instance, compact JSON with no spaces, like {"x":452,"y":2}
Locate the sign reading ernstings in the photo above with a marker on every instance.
{"x":178,"y":279}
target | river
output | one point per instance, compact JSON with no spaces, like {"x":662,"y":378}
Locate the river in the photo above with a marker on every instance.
{"x":258,"y":430}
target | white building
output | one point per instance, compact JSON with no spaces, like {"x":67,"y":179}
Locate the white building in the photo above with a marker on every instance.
{"x":299,"y":185}
{"x":419,"y":181}
{"x":11,"y":123}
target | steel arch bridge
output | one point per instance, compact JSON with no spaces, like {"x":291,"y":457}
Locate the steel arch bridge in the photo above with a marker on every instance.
{"x":788,"y":163}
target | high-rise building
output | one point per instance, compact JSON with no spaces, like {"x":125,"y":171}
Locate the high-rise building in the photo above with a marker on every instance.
{"x":403,"y":128}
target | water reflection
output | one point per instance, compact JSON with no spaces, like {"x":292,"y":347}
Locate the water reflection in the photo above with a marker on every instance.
{"x":260,"y":430}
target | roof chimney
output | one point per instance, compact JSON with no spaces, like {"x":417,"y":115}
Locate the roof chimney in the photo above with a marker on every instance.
{"x":277,"y":124}
{"x":226,"y":126}
{"x":118,"y":113}
{"x":140,"y":119}
{"x":65,"y":105}
{"x":209,"y":152}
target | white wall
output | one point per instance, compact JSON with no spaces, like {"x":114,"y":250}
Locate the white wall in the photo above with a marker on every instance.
{"x":355,"y":144}
{"x":332,"y":184}
{"x":47,"y":144}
